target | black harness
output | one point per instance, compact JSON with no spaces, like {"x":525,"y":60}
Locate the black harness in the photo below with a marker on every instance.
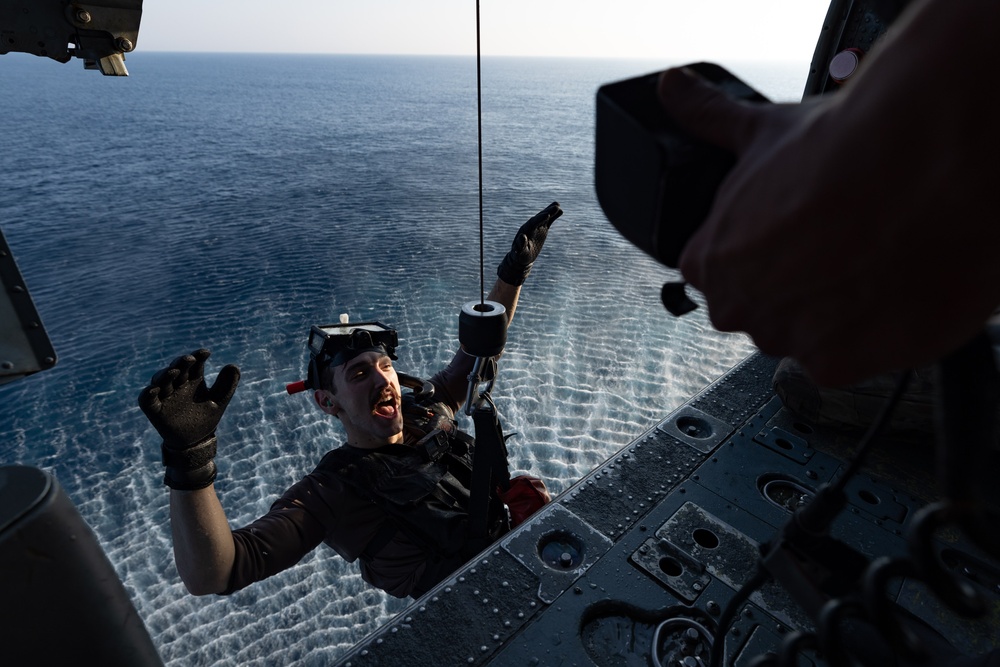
{"x":424,"y":489}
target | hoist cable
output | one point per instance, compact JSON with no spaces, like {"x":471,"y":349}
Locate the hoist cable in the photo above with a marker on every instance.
{"x":479,"y":117}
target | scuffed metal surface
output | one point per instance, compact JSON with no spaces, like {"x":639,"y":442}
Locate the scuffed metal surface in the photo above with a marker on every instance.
{"x":724,"y":551}
{"x":623,"y":490}
{"x":728,"y":554}
{"x":463,"y":621}
{"x":557,"y":523}
{"x":738,"y":394}
{"x":698,"y":429}
{"x":681,"y":574}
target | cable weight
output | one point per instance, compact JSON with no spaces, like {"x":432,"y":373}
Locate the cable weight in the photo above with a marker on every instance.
{"x":482,"y":328}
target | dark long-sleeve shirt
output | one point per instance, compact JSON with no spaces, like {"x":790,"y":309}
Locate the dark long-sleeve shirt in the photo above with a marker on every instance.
{"x":322,"y":508}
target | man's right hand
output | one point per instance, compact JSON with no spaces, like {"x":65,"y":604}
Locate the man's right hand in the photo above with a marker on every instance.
{"x":181,"y":406}
{"x":185,"y":412}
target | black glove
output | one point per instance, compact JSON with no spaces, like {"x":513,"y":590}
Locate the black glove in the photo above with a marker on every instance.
{"x":185,"y":412}
{"x":516,"y":264}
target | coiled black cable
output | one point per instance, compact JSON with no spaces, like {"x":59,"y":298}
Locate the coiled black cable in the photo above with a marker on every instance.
{"x":759,"y":578}
{"x":813,"y":519}
{"x":969,"y":394}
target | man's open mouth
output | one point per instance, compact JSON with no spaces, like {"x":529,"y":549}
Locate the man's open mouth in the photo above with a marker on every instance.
{"x":386,"y":407}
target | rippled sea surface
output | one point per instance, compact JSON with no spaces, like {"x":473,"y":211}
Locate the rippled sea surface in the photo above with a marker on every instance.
{"x":230,"y":202}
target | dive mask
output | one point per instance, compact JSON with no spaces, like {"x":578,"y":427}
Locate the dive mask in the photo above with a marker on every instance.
{"x":336,"y":344}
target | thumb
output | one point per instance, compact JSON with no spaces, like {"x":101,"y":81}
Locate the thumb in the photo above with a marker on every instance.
{"x":520,"y":244}
{"x":704,"y":110}
{"x":225,"y":385}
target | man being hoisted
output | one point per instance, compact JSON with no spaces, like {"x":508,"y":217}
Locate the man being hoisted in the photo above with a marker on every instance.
{"x":395,"y":495}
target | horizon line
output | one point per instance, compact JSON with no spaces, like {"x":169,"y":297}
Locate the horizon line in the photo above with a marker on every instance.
{"x":689,"y":58}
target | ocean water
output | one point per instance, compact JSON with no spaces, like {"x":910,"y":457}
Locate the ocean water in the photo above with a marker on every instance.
{"x":231,"y":201}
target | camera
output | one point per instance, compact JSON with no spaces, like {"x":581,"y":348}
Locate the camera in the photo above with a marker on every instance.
{"x":654,"y":181}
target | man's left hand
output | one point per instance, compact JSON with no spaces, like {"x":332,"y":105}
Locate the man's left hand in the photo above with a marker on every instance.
{"x":528,"y":241}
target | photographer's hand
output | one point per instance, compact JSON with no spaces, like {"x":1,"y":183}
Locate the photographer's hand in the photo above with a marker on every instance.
{"x":851,"y":232}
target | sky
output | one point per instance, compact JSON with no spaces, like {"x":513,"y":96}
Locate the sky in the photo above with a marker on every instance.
{"x":762,"y":30}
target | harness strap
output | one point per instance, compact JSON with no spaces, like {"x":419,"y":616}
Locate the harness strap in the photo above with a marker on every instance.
{"x":441,"y":440}
{"x":489,"y":469}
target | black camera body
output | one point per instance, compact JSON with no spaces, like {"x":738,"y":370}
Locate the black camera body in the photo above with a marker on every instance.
{"x":654,"y":181}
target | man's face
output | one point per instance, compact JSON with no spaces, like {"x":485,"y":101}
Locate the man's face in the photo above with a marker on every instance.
{"x":367,"y":400}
